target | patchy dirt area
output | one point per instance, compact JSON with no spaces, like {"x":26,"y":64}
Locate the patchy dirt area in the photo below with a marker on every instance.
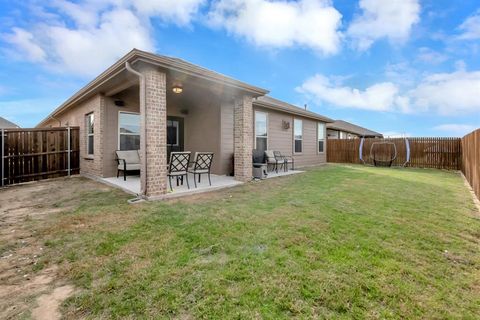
{"x":26,"y":288}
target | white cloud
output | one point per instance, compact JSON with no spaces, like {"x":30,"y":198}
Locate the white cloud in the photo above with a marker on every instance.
{"x":447,"y":94}
{"x":309,"y":23}
{"x":453,"y":129}
{"x":378,"y":97}
{"x":85,"y":37}
{"x":391,"y":19}
{"x":25,"y":45}
{"x":470,"y":28}
{"x":117,"y":33}
{"x":180,"y":12}
{"x":428,"y":55}
{"x":402,"y":74}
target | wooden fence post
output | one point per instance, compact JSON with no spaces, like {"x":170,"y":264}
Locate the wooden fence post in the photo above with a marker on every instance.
{"x":68,"y":150}
{"x":3,"y":157}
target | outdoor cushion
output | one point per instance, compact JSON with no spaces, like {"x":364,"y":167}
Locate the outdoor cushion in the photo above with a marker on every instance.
{"x":178,"y":173}
{"x":270,"y":156}
{"x":129,"y":156}
{"x":191,"y":169}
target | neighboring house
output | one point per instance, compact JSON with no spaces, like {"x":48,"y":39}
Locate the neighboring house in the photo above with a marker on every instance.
{"x":5,"y":124}
{"x":345,"y":130}
{"x":159,"y":104}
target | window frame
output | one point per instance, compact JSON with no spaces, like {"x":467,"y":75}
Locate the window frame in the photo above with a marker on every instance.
{"x":127,"y":134}
{"x":90,"y":123}
{"x":255,"y":129}
{"x":294,"y":138}
{"x":324,"y":139}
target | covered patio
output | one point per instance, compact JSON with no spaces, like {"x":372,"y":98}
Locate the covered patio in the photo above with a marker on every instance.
{"x":158,"y":106}
{"x":132,"y":184}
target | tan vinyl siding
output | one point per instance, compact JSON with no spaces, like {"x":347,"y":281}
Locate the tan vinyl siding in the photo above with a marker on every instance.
{"x":111,"y":132}
{"x":280,"y":139}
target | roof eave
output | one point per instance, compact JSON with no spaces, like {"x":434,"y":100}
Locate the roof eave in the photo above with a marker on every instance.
{"x":200,"y":72}
{"x":112,"y":71}
{"x":138,"y":55}
{"x":271,"y":106}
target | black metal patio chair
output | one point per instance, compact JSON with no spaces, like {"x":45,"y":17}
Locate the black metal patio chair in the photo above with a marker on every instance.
{"x":202,"y":164}
{"x":178,"y":167}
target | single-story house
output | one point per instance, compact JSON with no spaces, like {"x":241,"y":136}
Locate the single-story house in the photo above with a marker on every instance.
{"x":159,"y":104}
{"x":345,"y":130}
{"x":6,"y":124}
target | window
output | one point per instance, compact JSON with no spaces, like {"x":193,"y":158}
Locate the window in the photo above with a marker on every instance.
{"x":261,"y":134}
{"x":321,"y":137}
{"x":298,"y":135}
{"x":89,"y":122}
{"x":172,"y":133}
{"x":128,"y":131}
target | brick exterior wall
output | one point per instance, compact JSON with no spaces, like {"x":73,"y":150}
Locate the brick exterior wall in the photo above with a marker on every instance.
{"x":243,"y":138}
{"x":155,"y":124}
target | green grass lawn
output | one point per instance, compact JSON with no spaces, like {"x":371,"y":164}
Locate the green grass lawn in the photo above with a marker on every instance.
{"x":338,"y":242}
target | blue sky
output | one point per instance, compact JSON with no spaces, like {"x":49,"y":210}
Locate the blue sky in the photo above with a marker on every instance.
{"x":402,"y":67}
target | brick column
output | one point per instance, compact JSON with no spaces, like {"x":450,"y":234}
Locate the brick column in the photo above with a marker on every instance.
{"x":155,"y":122}
{"x":100,"y":121}
{"x":243,"y":138}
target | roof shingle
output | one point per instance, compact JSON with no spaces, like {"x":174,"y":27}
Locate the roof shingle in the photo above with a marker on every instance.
{"x":352,"y":128}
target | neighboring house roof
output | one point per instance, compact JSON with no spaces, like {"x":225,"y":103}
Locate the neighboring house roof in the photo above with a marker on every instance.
{"x":275,"y":104}
{"x":5,"y":124}
{"x":169,"y":63}
{"x":352,"y":128}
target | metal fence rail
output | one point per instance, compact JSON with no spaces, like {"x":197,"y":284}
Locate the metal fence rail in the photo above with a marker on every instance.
{"x":34,"y":154}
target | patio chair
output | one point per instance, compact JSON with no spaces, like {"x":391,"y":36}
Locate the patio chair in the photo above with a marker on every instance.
{"x":178,"y":167}
{"x":285,"y":159}
{"x":272,"y":160}
{"x":127,"y":160}
{"x":202,"y":163}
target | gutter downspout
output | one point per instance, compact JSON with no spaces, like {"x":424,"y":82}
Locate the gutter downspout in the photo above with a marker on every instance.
{"x":56,"y":119}
{"x":143,"y":116}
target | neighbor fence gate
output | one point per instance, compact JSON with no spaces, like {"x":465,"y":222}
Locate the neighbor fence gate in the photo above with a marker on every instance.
{"x":35,"y":154}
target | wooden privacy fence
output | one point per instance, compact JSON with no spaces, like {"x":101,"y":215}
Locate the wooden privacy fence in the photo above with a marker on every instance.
{"x":471,"y":160}
{"x":34,"y":154}
{"x":440,"y":153}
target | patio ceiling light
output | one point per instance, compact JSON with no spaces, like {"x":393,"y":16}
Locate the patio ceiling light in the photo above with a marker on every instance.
{"x":177,"y":89}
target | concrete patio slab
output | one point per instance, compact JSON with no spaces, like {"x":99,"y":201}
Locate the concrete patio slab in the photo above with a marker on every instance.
{"x":132,"y":184}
